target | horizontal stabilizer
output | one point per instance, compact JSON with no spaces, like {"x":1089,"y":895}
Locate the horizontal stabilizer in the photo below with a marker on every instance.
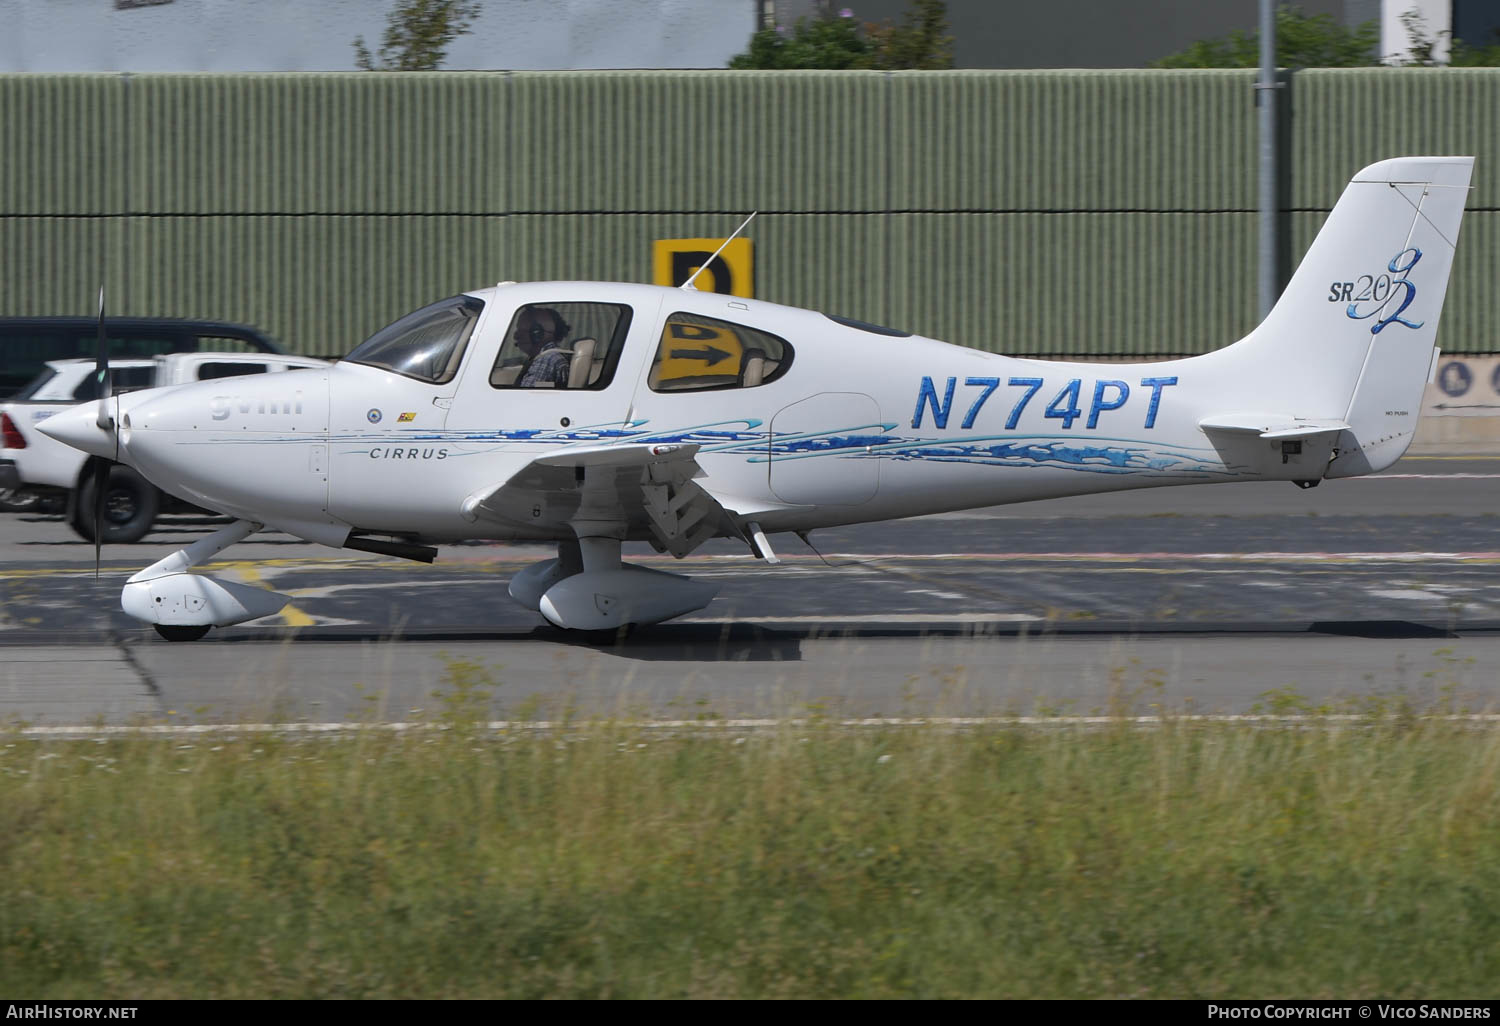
{"x":1271,"y":425}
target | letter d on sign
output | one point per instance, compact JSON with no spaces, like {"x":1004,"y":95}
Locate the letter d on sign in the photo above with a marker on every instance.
{"x":673,"y":262}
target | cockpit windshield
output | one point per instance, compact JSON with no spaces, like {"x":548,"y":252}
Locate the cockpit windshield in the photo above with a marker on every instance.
{"x":426,"y":345}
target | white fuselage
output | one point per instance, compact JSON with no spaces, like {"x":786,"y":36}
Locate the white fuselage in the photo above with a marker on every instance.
{"x":861,"y":426}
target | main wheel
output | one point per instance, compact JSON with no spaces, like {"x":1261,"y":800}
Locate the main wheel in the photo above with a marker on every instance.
{"x":130,"y":507}
{"x":177,"y":632}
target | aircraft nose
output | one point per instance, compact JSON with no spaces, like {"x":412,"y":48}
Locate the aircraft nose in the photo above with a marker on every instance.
{"x":79,"y":427}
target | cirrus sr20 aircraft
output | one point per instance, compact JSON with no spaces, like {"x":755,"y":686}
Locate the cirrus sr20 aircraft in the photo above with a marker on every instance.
{"x":591,"y":414}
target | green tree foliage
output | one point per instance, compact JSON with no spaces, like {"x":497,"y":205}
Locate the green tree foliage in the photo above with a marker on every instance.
{"x":417,"y":35}
{"x":835,"y":43}
{"x":920,"y":41}
{"x":1465,"y":56}
{"x":1302,"y":41}
{"x":841,"y":42}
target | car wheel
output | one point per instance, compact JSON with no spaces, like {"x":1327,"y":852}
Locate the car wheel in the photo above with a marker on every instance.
{"x":130,"y":507}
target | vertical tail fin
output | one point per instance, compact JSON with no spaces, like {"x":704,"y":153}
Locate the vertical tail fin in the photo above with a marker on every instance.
{"x":1353,"y":336}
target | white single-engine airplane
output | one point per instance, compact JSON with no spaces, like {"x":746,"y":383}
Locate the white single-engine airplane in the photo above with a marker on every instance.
{"x":590,"y":414}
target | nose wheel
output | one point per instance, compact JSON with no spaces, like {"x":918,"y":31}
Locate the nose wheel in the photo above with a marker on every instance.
{"x":181,"y":605}
{"x":178,"y":632}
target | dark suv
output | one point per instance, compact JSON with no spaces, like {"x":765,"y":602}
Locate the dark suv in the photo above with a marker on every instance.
{"x":27,"y":343}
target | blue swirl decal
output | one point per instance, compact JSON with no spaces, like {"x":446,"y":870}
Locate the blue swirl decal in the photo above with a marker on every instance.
{"x":750,"y":439}
{"x":1379,"y":291}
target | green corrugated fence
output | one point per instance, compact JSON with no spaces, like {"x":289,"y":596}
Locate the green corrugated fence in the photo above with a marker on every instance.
{"x":1040,"y":212}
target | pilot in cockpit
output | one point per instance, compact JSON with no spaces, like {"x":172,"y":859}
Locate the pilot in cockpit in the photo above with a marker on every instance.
{"x":540,"y":332}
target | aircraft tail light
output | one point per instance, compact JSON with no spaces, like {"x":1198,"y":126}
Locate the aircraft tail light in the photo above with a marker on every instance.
{"x":12,"y":437}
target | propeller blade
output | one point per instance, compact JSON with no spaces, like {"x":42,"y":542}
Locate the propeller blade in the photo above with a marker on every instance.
{"x":101,"y":487}
{"x":109,"y":409}
{"x":101,"y":368}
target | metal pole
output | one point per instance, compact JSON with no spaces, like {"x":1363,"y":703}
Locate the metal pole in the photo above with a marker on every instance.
{"x":1265,"y":95}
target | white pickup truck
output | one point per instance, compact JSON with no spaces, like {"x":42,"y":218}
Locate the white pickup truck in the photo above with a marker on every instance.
{"x":35,"y":466}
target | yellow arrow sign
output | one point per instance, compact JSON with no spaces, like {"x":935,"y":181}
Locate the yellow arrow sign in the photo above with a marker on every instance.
{"x":697,"y":356}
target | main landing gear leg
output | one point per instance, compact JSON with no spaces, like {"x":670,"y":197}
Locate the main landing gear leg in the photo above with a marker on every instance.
{"x":594,"y":591}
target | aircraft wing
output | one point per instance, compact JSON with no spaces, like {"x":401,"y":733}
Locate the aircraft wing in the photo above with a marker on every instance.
{"x":645,"y":486}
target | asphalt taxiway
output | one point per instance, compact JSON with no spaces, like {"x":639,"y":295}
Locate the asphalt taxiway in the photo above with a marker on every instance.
{"x":1222,"y":598}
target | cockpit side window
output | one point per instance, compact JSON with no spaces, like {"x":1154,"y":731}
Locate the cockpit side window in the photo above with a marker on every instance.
{"x":427,"y":344}
{"x":562,"y":345}
{"x":698,"y":353}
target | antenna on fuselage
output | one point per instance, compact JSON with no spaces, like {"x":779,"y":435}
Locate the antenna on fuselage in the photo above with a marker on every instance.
{"x":694,"y":276}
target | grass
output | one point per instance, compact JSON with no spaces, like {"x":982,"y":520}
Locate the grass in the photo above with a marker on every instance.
{"x":604,"y":859}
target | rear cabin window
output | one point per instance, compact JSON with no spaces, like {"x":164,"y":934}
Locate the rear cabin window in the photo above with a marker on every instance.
{"x":562,"y":345}
{"x":874,"y":329}
{"x":698,"y":353}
